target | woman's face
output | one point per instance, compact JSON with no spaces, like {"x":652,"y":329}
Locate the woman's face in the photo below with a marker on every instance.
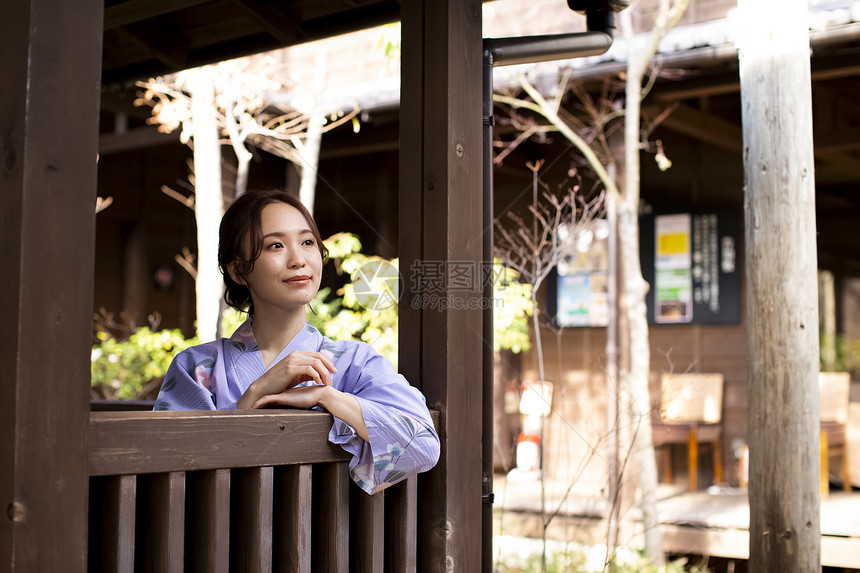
{"x":287,"y":273}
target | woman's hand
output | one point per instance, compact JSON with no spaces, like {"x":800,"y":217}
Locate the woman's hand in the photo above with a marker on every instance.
{"x":295,"y":368}
{"x":340,"y":404}
{"x":304,"y":397}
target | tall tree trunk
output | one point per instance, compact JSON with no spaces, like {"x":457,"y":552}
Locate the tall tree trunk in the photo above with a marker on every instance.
{"x":244,"y":162}
{"x":310,"y":151}
{"x":782,"y":306}
{"x":612,"y":386}
{"x":635,"y":290}
{"x":208,"y":206}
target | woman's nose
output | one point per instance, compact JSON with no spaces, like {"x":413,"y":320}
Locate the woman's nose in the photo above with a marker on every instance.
{"x":296,"y":259}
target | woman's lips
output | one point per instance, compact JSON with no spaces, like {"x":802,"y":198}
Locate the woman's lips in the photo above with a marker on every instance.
{"x":300,"y":280}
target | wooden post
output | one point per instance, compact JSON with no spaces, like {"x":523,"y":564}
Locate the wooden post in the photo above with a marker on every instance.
{"x":50,"y":59}
{"x":827,"y":319}
{"x":782,"y":304}
{"x":693,"y":459}
{"x":441,"y":221}
{"x":136,"y":277}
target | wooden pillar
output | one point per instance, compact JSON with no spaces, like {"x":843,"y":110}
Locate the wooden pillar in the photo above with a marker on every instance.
{"x":50,"y":58}
{"x":136,"y":274}
{"x":441,"y":221}
{"x":782,"y":304}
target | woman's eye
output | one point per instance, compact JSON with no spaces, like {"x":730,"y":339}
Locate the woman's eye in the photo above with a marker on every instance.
{"x":309,"y":242}
{"x":275,"y":246}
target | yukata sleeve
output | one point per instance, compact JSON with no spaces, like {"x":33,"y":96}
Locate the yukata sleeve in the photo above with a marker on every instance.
{"x":403,"y":441}
{"x":188,"y":383}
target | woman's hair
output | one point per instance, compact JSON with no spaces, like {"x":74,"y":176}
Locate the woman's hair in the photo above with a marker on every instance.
{"x":242,"y":220}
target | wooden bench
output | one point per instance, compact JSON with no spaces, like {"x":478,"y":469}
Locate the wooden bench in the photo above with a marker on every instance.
{"x":690,"y":413}
{"x":834,"y":391}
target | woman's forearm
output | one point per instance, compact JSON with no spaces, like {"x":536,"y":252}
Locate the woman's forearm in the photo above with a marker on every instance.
{"x":346,"y":407}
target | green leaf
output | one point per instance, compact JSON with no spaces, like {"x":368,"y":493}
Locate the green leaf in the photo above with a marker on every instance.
{"x":169,"y":384}
{"x":394,"y":475}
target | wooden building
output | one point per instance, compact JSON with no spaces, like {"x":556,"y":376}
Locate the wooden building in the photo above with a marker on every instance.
{"x":701,"y":136}
{"x":66,"y":76}
{"x":165,"y":491}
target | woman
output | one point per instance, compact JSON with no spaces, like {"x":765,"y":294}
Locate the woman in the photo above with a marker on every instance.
{"x":271,"y":255}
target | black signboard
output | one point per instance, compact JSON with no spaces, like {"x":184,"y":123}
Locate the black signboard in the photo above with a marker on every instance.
{"x":692,"y":261}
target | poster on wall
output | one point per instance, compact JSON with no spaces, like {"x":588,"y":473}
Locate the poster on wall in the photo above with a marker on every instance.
{"x":693,"y":268}
{"x":673,"y":284}
{"x":691,"y":261}
{"x":582,"y":295}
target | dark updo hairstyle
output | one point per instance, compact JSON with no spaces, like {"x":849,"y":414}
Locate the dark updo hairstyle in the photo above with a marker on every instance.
{"x":242,"y":220}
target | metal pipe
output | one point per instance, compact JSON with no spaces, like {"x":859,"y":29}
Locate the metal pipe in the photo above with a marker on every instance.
{"x":501,"y":52}
{"x":487,"y":355}
{"x":715,"y":54}
{"x":525,"y":49}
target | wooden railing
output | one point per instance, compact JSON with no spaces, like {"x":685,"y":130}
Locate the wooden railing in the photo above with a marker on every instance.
{"x":228,"y":491}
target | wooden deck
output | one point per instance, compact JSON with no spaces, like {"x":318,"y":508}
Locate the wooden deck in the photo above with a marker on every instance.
{"x":701,"y":523}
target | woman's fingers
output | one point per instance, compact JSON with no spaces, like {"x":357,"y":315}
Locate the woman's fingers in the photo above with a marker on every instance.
{"x":311,"y":366}
{"x":315,"y":373}
{"x":304,"y":397}
{"x":322,"y":365}
{"x":327,"y":361}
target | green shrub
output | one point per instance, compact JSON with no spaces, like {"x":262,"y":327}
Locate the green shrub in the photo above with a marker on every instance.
{"x":847,"y":358}
{"x":133,"y":369}
{"x":522,"y":555}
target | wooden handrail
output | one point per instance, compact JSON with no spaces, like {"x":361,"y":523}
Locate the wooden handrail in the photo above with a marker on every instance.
{"x":124,"y":443}
{"x":148,"y":442}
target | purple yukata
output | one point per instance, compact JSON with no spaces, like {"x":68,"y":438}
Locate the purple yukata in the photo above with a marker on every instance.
{"x":403,"y":441}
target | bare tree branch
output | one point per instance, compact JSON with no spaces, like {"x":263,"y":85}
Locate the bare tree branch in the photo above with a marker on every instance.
{"x":188,"y":201}
{"x":186,"y":261}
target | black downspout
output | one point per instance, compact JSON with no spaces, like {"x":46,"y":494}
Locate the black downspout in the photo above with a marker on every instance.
{"x":501,"y":52}
{"x":487,"y":355}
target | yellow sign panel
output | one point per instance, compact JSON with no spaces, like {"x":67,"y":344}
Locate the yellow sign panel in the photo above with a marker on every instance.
{"x":673,"y":244}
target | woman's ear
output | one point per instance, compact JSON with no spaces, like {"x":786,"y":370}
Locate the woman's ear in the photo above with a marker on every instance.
{"x":237,"y":278}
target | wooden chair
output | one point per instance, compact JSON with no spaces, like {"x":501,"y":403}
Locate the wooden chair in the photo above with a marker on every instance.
{"x":690,"y":413}
{"x":834,"y":395}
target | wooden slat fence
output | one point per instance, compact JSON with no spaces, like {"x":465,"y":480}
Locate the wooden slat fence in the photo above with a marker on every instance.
{"x":223,"y":491}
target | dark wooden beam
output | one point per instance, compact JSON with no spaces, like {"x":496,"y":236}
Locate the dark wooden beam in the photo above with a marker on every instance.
{"x":440,"y":221}
{"x":250,"y":39}
{"x":696,"y":89}
{"x":842,"y":160}
{"x":50,"y":55}
{"x":137,"y":138}
{"x":350,"y":20}
{"x":285,"y":28}
{"x":379,"y":146}
{"x":837,"y":140}
{"x":132,"y":11}
{"x":825,"y":69}
{"x":700,"y":125}
{"x":117,"y":103}
{"x":726,"y":135}
{"x":124,"y":71}
{"x":165,"y":44}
